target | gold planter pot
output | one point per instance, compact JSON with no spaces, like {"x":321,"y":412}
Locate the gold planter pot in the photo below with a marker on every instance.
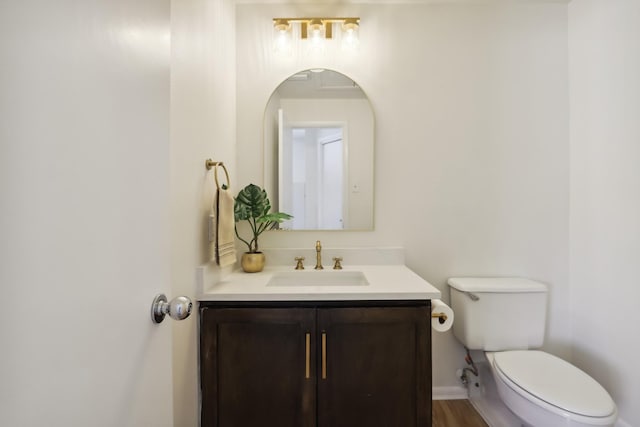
{"x":252,"y":262}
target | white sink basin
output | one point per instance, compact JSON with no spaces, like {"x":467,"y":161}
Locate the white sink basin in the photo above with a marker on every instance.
{"x":318,"y":278}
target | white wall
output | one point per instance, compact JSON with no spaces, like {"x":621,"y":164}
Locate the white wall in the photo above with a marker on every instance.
{"x":604,"y":48}
{"x":202,"y":127}
{"x":471,"y":139}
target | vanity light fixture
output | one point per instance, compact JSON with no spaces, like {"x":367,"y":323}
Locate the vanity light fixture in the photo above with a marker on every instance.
{"x":315,"y":30}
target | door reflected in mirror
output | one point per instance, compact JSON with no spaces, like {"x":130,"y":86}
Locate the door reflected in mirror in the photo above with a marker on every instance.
{"x":318,"y":145}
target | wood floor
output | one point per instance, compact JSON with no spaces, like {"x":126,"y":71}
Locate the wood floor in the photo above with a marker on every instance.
{"x":455,"y":413}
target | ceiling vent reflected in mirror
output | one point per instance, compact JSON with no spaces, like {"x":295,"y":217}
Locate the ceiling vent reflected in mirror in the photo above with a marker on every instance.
{"x":320,"y":83}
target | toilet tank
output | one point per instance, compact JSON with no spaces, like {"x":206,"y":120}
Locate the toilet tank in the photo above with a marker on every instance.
{"x":494,"y":314}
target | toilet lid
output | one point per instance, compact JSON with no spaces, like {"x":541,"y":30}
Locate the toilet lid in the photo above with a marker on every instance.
{"x":555,"y":381}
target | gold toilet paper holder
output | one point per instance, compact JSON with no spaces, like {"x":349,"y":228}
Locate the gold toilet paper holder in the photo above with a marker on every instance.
{"x":441,"y":316}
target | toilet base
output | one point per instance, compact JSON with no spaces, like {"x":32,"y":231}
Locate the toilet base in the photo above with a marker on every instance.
{"x":485,"y":399}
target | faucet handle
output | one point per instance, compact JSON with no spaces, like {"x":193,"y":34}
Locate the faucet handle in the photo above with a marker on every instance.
{"x":299,"y":265}
{"x":337,"y":265}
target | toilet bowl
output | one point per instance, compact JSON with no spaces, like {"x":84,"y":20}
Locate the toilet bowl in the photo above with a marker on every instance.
{"x":505,"y":318}
{"x":544,"y":390}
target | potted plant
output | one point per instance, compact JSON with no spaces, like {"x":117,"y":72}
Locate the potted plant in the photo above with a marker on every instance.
{"x":252,"y":205}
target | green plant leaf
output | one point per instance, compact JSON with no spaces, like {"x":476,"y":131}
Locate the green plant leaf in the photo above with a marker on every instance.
{"x":253,"y":201}
{"x":240,"y":211}
{"x":277,"y":217}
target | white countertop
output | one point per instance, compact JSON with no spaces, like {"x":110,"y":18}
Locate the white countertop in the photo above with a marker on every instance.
{"x":386,"y":282}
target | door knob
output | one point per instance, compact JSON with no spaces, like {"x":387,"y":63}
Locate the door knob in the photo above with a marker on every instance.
{"x":178,"y":308}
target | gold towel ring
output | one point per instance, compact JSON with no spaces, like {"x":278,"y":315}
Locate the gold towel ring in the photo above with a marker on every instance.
{"x":226,"y":173}
{"x":209,"y":164}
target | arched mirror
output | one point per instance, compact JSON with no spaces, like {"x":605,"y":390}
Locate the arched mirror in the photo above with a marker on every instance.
{"x":318,"y":152}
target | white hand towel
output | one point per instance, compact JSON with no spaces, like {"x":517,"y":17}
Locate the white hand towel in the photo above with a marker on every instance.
{"x":225,"y":231}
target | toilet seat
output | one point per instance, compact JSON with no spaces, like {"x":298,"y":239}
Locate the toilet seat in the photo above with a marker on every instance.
{"x":537,"y":375}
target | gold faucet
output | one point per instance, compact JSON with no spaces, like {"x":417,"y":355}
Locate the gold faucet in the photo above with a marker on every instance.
{"x":318,"y":256}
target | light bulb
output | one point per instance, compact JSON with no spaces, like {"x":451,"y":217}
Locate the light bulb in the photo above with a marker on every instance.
{"x":350,"y":39}
{"x":282,"y":36}
{"x":316,"y":36}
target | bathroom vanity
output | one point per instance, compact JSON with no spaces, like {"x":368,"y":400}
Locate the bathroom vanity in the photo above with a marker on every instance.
{"x":332,"y":348}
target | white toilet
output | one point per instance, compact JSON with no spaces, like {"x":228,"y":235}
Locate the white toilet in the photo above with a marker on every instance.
{"x":505,"y":317}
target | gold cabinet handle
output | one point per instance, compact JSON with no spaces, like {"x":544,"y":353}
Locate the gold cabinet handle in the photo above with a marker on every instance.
{"x":307,"y":366}
{"x":324,"y":355}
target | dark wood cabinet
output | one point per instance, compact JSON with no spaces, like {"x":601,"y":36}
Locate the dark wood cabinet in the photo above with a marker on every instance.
{"x":319,"y":365}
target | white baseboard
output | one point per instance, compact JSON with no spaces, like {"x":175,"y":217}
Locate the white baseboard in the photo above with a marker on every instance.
{"x":449,"y":393}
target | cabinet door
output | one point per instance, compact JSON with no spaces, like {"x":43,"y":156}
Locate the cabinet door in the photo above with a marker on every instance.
{"x":375,"y":367}
{"x":257,"y":367}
